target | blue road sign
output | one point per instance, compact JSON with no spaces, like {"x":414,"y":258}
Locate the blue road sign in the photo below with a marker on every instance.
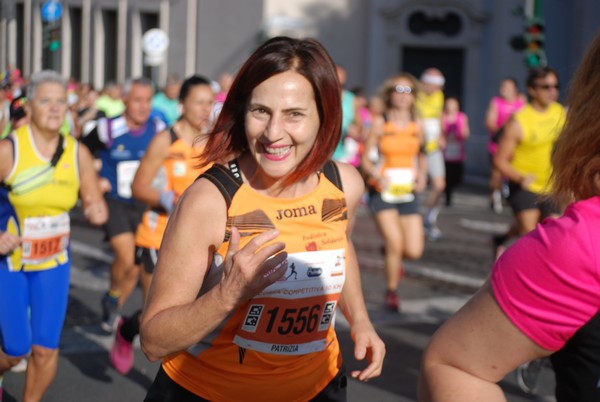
{"x":51,"y":10}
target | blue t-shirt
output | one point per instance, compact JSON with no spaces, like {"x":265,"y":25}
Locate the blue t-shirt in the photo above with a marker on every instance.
{"x":121,"y":151}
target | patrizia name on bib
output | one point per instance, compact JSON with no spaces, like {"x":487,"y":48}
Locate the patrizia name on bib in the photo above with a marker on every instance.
{"x":284,"y":348}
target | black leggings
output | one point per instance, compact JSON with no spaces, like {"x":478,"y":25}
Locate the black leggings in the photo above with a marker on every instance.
{"x":164,"y":389}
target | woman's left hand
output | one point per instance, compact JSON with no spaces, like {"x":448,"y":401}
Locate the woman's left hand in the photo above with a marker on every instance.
{"x":96,"y":213}
{"x":367,"y":344}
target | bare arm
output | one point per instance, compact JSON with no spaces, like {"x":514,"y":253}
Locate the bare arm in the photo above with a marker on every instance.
{"x":8,"y":241}
{"x":94,"y":206}
{"x":502,"y":160}
{"x":175,"y":317}
{"x":421,"y":183}
{"x":366,"y":341}
{"x":491,"y":117}
{"x":153,"y":159}
{"x":466,"y":129}
{"x":472,"y":351}
{"x":372,"y":139}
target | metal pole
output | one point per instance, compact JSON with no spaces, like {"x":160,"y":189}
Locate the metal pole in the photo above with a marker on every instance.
{"x":529,"y":8}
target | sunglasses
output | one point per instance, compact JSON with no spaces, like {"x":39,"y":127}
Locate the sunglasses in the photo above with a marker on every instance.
{"x":403,"y":89}
{"x":547,"y":86}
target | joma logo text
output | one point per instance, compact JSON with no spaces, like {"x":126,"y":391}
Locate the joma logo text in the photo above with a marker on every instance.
{"x":296,"y":212}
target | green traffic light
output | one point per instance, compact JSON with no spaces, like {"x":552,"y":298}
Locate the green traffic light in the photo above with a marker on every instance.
{"x":54,"y":46}
{"x":533,"y":61}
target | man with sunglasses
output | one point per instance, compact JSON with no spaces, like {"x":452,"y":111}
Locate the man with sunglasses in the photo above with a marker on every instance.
{"x":523,"y":155}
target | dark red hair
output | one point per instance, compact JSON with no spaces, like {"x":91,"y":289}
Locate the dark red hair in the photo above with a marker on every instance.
{"x":308,"y":58}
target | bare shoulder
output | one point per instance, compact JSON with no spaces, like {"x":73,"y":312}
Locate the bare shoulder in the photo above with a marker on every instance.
{"x":161,"y":141}
{"x":202,"y":207}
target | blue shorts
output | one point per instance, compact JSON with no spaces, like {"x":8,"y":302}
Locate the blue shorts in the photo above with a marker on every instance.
{"x":33,"y":306}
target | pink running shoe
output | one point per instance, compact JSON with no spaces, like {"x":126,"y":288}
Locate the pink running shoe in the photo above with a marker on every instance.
{"x":392,"y":301}
{"x":121,"y":353}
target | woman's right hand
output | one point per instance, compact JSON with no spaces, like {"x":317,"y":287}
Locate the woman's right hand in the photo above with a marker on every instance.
{"x":248,"y":271}
{"x":8,"y":243}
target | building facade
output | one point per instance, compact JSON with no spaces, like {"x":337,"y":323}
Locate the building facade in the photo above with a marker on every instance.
{"x":101,"y":40}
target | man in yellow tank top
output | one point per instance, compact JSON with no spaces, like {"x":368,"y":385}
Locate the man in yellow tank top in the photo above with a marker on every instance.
{"x":430,"y":104}
{"x":524,"y":151}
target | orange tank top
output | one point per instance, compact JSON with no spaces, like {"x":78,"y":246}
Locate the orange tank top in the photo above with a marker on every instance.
{"x":399,"y":148}
{"x":281,"y":345}
{"x":180,"y":170}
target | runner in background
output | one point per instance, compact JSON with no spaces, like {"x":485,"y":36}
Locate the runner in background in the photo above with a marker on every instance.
{"x":172,"y":156}
{"x":455,"y":127}
{"x":500,"y":109}
{"x":396,"y":177}
{"x":120,"y":143}
{"x":429,"y":105}
{"x":42,"y":174}
{"x":167,"y":102}
{"x":523,"y":155}
{"x":351,"y":122}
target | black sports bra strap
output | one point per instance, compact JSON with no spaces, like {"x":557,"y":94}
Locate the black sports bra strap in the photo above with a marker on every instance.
{"x":227,"y":180}
{"x":59,"y":151}
{"x":332,"y":173}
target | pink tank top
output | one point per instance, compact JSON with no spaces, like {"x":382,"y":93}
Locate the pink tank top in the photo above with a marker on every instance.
{"x":455,"y":140}
{"x":505,"y":110}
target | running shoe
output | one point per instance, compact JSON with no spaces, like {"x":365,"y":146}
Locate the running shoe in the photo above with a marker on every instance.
{"x":121,"y":352}
{"x":497,"y":202}
{"x":392,"y":301}
{"x":433,"y":233}
{"x":528,"y":374}
{"x":19,"y":367}
{"x":110,"y":313}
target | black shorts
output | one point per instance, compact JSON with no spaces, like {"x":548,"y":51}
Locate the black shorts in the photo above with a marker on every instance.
{"x":164,"y":389}
{"x":520,"y":200}
{"x":122,"y":217}
{"x":404,"y":208}
{"x":147,"y":257}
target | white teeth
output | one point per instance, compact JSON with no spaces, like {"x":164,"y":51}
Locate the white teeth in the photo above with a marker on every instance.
{"x":277,"y":151}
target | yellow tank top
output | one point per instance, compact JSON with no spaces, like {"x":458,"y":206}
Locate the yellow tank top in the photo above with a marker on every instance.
{"x":532,"y":154}
{"x":429,"y":106}
{"x":281,"y":345}
{"x":180,"y":169}
{"x":43,"y":206}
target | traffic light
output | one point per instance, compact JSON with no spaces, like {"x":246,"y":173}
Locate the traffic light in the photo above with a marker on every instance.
{"x":534,"y":39}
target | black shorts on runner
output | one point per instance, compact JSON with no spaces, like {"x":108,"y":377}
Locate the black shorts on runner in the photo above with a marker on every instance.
{"x":520,"y":200}
{"x":164,"y":389}
{"x":122,"y":217}
{"x":147,"y":257}
{"x":376,"y":204}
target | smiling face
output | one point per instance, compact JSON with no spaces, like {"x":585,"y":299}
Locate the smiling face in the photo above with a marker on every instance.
{"x":49,"y":107}
{"x":282,"y":122}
